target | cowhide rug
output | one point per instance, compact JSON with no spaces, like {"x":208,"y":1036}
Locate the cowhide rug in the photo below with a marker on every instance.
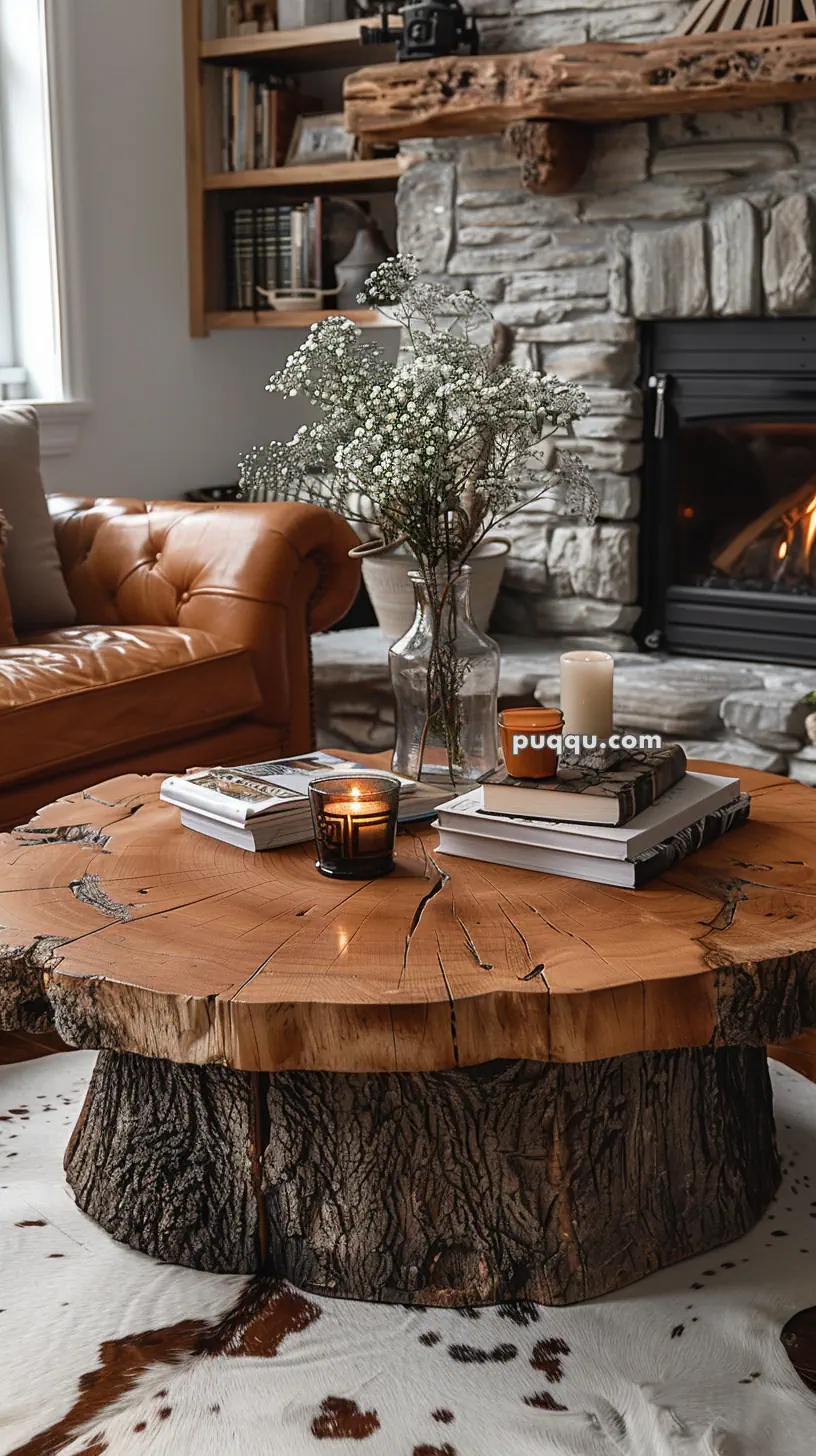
{"x":103,"y":1349}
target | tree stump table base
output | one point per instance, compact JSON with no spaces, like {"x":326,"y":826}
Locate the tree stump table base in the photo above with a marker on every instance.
{"x":505,"y":1181}
{"x":460,"y":1084}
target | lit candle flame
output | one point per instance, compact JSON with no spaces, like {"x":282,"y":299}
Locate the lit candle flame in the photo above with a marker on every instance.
{"x":783,"y":550}
{"x":355,"y":793}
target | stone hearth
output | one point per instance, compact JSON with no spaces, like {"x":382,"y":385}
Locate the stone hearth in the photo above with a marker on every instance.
{"x":744,"y":713}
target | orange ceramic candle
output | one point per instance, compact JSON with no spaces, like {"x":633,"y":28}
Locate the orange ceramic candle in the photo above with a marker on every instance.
{"x":524,"y":734}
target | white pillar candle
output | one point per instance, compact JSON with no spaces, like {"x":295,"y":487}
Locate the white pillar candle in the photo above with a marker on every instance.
{"x":586,"y":693}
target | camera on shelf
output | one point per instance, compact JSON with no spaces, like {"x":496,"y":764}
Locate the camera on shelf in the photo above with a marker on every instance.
{"x":429,"y":28}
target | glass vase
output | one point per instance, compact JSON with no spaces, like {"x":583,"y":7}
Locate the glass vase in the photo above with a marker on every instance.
{"x":445,"y":677}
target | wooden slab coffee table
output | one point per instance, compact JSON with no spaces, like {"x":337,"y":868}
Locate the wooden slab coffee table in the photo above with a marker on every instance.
{"x":459,"y":1084}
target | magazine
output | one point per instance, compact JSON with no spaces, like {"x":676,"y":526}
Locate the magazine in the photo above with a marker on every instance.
{"x":250,"y":792}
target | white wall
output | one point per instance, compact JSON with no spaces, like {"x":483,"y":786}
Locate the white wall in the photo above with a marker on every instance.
{"x":169,"y":412}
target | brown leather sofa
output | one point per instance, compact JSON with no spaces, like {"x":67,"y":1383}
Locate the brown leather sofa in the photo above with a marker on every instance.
{"x":191,"y":644}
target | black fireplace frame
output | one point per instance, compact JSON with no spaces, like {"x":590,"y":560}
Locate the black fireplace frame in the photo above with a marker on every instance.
{"x":716,"y":369}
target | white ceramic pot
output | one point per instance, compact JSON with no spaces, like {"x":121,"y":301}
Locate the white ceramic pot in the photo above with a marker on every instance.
{"x":392,"y":595}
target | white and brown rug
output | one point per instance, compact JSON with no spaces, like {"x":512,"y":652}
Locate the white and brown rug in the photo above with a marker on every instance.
{"x":105,"y":1350}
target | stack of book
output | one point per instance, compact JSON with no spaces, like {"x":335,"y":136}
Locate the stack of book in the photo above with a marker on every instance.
{"x":619,"y":827}
{"x":258,"y":115}
{"x":267,"y":249}
{"x":266,"y":805}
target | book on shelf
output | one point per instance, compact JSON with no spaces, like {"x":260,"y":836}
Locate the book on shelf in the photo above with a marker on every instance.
{"x":259,"y":806}
{"x":589,"y":796}
{"x":271,"y":249}
{"x":598,"y":869}
{"x":257,"y":119}
{"x":687,"y":801}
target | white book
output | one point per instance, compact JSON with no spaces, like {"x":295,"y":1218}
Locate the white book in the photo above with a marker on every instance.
{"x":531,"y":857}
{"x":628,"y":873}
{"x":267,"y":834}
{"x":253,"y":791}
{"x":695,"y":795}
{"x":295,"y":827}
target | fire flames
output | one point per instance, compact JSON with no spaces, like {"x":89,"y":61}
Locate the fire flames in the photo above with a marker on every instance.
{"x":794,"y":550}
{"x":778,"y":546}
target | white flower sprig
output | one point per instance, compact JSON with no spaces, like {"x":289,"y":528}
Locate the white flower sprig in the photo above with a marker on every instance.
{"x":432,"y":450}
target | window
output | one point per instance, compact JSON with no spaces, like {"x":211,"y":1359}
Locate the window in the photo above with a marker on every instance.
{"x":10,"y":375}
{"x":31,"y":340}
{"x":37,"y":252}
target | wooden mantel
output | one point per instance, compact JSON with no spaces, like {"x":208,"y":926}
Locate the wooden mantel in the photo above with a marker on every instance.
{"x":579,"y":85}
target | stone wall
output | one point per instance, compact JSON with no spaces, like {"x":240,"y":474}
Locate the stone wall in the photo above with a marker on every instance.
{"x":683,"y":217}
{"x":523,"y":25}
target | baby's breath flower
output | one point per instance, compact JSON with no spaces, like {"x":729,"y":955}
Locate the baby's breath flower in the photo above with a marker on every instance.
{"x":435,"y":449}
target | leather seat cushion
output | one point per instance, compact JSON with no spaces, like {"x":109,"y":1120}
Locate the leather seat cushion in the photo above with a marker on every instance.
{"x":86,"y":694}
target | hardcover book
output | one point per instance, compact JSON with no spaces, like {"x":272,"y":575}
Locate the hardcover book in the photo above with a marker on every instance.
{"x":628,"y":874}
{"x":590,"y":796}
{"x":695,"y":795}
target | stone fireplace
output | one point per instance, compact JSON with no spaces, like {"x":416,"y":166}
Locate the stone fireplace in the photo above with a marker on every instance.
{"x":683,"y":255}
{"x":679,"y":219}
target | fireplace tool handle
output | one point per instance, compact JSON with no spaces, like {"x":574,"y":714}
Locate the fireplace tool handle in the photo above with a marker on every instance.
{"x":659,"y":383}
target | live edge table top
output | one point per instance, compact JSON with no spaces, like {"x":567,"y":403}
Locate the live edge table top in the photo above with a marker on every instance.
{"x":127,"y":932}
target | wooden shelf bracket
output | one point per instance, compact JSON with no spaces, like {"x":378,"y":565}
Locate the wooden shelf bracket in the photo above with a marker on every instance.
{"x":553,"y":154}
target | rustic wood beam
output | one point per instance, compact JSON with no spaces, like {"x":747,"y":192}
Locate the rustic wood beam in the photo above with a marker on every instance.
{"x":553,"y":154}
{"x":596,"y":82}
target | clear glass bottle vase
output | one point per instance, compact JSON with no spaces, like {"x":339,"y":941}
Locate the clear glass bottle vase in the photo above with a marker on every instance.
{"x":445,"y":677}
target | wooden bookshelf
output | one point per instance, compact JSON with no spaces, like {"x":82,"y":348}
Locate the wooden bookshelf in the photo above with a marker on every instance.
{"x":287,"y":318}
{"x":320,"y":177}
{"x":310,"y":50}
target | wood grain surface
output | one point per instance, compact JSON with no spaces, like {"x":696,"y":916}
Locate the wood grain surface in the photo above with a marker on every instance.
{"x":593,"y":82}
{"x":124,"y":931}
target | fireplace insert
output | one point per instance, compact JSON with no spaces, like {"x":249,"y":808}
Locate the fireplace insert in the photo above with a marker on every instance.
{"x":728,"y":527}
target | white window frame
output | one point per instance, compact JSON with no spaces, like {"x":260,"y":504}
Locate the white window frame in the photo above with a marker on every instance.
{"x":40,"y":236}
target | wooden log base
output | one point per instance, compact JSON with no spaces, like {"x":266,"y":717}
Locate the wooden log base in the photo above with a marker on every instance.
{"x":553,"y":154}
{"x":165,"y":1158}
{"x":512,"y":1180}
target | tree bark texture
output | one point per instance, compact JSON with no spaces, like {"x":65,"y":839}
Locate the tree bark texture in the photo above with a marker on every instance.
{"x":165,"y":1158}
{"x":553,"y":154}
{"x":24,"y":1004}
{"x":515,"y":1180}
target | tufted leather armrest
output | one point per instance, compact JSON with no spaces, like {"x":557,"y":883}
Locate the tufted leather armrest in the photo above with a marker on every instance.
{"x":262,"y":575}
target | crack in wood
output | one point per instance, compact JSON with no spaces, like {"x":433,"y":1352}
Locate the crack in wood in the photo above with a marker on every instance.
{"x":519,"y":932}
{"x":61,"y":834}
{"x":88,"y":891}
{"x":731,"y":894}
{"x":469,"y":942}
{"x":454,"y":1041}
{"x":536,"y":971}
{"x":426,"y":899}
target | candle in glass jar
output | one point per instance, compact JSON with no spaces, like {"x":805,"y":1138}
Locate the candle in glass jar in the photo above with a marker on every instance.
{"x":586,"y":693}
{"x":354,"y":823}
